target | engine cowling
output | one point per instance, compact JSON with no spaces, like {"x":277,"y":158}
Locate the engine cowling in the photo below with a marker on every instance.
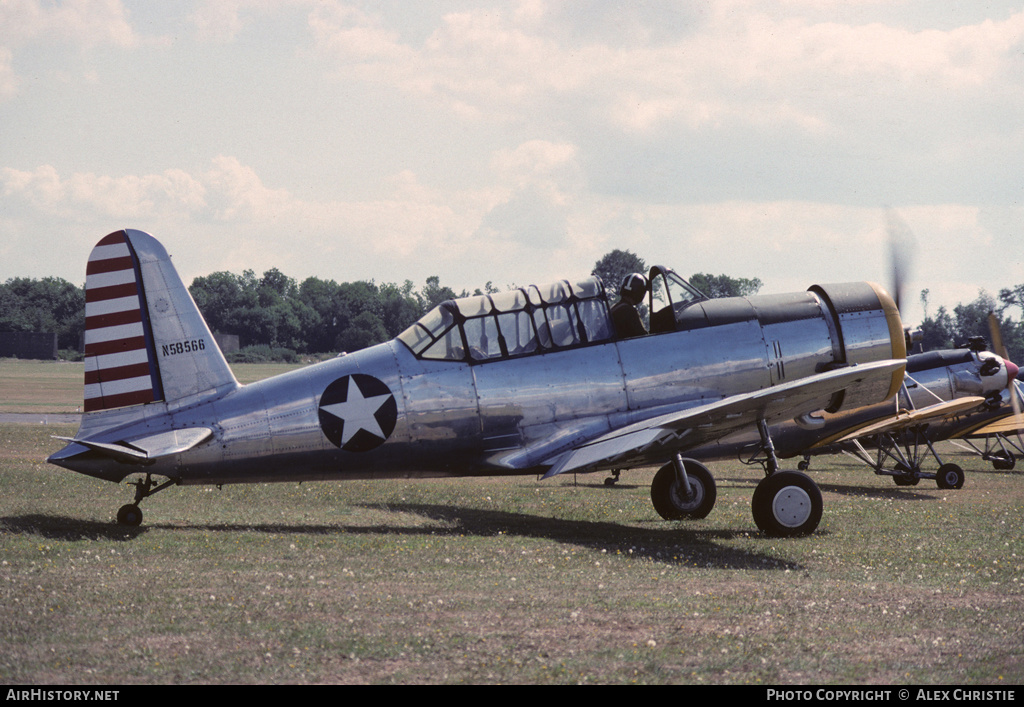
{"x":867,"y":327}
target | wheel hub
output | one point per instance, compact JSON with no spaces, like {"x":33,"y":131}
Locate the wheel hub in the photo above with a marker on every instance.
{"x":684,"y":502}
{"x":791,"y":506}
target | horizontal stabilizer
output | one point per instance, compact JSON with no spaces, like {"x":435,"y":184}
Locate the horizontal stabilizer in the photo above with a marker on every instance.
{"x":117,"y":452}
{"x":145,"y":450}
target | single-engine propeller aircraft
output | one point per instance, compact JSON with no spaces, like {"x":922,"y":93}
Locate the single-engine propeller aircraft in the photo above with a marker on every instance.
{"x":945,"y":394}
{"x":992,"y":437}
{"x":996,"y":437}
{"x":530,"y":381}
{"x":955,"y":378}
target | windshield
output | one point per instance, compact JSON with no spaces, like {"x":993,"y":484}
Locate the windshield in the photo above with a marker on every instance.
{"x":670,"y":295}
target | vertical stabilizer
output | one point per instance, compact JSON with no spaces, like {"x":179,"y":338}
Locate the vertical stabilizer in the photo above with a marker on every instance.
{"x":145,"y":340}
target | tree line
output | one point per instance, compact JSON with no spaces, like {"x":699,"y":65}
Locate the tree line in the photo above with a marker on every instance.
{"x":277,"y":317}
{"x":51,"y":304}
{"x":952,"y":329}
{"x":274,"y":316}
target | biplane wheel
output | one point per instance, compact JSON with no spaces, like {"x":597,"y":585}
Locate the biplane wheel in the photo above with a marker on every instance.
{"x":787,"y":503}
{"x":129,"y":514}
{"x":1003,"y":461}
{"x":949,"y":476}
{"x":803,"y":464}
{"x":905,"y":477}
{"x":670,"y":499}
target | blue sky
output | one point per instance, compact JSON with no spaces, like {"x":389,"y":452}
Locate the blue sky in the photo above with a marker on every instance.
{"x":517,"y":142}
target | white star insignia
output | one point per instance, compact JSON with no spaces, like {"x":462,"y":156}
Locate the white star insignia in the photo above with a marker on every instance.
{"x":357,"y":412}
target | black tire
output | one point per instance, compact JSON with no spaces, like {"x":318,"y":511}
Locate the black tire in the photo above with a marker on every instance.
{"x":949,"y":476}
{"x":906,"y":477}
{"x":787,"y":504}
{"x":130,"y":515}
{"x":670,"y":499}
{"x":1003,"y":461}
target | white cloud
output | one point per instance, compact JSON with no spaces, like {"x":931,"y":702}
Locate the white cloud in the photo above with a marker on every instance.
{"x":354,"y":37}
{"x":90,"y":196}
{"x":219,"y":21}
{"x":542,"y":164}
{"x":80,"y":22}
{"x":8,"y":80}
{"x":743,"y":65}
{"x":521,"y":141}
{"x":41,"y":188}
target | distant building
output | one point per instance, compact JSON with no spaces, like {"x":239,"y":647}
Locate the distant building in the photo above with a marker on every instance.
{"x":28,"y":344}
{"x":228,"y":343}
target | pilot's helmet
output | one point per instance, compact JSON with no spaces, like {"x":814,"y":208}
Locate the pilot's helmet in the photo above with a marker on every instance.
{"x":634,"y":287}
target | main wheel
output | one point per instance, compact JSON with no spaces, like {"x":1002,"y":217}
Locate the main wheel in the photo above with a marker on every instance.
{"x":670,"y":499}
{"x":949,"y":476}
{"x":786,"y":504}
{"x":1003,"y":461}
{"x":906,"y":476}
{"x":129,"y":514}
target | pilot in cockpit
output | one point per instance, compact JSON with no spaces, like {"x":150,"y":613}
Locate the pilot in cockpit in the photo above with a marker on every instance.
{"x":625,"y":316}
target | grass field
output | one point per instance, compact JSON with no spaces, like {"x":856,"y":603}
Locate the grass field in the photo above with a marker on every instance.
{"x":509,"y":580}
{"x":48,"y":386}
{"x":40,"y":386}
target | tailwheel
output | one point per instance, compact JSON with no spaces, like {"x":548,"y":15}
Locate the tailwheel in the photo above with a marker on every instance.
{"x":129,"y":514}
{"x":949,"y":476}
{"x":669,"y":494}
{"x":786,"y":504}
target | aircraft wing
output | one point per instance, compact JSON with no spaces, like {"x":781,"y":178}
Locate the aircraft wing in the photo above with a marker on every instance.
{"x":904,"y":419}
{"x":1010,"y":424}
{"x":694,"y":426}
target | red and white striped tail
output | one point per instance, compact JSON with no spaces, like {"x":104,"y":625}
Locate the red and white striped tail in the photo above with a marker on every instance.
{"x":119,"y":369}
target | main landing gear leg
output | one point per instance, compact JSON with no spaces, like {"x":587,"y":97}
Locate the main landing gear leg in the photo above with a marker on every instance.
{"x":683,"y":488}
{"x":130,"y":514}
{"x":785,"y":503}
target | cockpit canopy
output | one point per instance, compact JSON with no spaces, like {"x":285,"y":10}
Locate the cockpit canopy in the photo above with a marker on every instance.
{"x":539,"y":318}
{"x":519,"y":322}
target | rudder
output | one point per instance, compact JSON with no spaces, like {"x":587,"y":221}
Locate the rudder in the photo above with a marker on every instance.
{"x":145,"y":339}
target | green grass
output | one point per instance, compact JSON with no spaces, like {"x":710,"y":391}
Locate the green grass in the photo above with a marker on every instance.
{"x":510,"y":580}
{"x":40,"y":386}
{"x":57,"y":387}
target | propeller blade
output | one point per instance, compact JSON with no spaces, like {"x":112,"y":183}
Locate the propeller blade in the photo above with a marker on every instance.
{"x":996,"y":335}
{"x":902,"y":245}
{"x":1015,"y":395}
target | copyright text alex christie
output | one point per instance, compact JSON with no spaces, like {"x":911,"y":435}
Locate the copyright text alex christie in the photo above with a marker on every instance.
{"x":957,"y":695}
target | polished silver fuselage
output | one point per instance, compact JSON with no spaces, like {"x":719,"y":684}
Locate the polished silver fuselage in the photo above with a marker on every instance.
{"x":510,"y":415}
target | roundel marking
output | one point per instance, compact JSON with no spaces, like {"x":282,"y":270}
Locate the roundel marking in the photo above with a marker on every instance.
{"x":358,"y":412}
